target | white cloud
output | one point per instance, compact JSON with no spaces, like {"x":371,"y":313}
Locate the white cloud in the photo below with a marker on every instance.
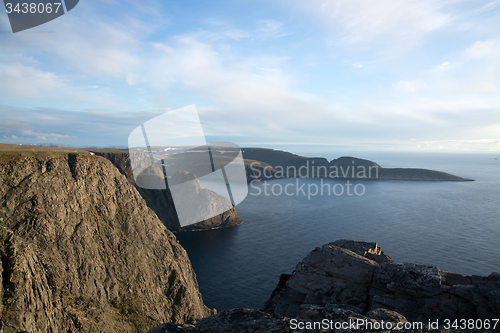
{"x":221,"y":33}
{"x":473,"y":71}
{"x":445,"y":66}
{"x":20,"y":80}
{"x":42,"y":136}
{"x":235,"y":34}
{"x":270,"y":70}
{"x":489,"y":6}
{"x":270,"y":29}
{"x":86,"y":44}
{"x":23,"y":131}
{"x":406,"y":86}
{"x":364,"y":20}
{"x":459,"y":145}
{"x":489,"y":48}
{"x":23,"y":79}
{"x":263,"y":30}
{"x":253,"y":103}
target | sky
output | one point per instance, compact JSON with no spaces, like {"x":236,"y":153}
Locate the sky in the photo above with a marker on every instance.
{"x":385,"y":75}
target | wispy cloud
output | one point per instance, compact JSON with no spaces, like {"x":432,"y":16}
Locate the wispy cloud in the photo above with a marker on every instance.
{"x":89,"y":128}
{"x":445,"y":66}
{"x":106,"y":75}
{"x":270,"y":29}
{"x":20,"y":131}
{"x":24,"y":80}
{"x":406,"y":86}
{"x":489,"y":48}
{"x":360,"y":21}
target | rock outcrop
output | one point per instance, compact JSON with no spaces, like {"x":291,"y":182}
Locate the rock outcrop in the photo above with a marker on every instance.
{"x":161,"y":200}
{"x":359,"y":277}
{"x":82,"y":252}
{"x":349,"y":286}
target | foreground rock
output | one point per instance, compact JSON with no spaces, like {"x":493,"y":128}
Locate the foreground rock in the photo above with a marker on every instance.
{"x":82,"y":252}
{"x":357,"y":276}
{"x":345,"y":282}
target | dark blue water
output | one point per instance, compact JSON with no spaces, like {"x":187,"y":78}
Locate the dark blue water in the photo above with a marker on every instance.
{"x":453,"y":225}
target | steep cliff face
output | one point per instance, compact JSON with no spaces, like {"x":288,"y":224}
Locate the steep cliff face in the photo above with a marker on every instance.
{"x":81,"y":251}
{"x":161,"y":200}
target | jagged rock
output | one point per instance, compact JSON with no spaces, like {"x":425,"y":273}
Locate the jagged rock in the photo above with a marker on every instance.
{"x":82,"y":252}
{"x":406,"y":278}
{"x":328,"y":274}
{"x":452,"y":279}
{"x":359,"y":277}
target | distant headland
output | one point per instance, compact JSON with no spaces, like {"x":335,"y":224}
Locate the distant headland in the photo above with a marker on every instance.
{"x":264,"y":163}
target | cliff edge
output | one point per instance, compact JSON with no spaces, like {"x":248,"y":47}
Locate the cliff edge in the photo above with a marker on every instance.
{"x":82,"y":252}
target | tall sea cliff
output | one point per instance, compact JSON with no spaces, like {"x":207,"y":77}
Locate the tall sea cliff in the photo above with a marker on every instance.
{"x":82,"y":252}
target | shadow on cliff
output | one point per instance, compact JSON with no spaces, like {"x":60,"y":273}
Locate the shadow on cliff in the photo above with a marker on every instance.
{"x":161,"y":201}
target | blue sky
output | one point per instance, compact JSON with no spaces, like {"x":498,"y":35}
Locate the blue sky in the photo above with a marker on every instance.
{"x":410,"y":75}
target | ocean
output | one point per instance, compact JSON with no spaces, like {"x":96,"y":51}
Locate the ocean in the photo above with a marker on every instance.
{"x":452,"y":225}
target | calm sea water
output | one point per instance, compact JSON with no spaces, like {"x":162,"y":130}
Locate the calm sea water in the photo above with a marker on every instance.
{"x":453,"y":225}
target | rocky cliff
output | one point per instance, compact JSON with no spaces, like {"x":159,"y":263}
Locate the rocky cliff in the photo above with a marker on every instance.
{"x":82,"y":252}
{"x":348,"y":282}
{"x":161,"y":200}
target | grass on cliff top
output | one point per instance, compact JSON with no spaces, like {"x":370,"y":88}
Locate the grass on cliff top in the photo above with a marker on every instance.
{"x":12,"y":152}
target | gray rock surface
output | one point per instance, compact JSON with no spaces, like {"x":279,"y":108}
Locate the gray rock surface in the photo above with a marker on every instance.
{"x":358,"y":276}
{"x":82,"y":252}
{"x":254,"y":321}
